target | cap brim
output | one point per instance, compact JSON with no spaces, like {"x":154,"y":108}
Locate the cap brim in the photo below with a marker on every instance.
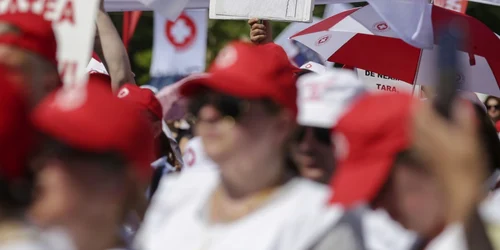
{"x":360,"y":181}
{"x":224,"y":84}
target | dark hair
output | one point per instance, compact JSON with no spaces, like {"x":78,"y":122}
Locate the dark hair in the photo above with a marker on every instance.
{"x":489,"y":138}
{"x":108,"y":164}
{"x":489,"y":98}
{"x":304,"y":72}
{"x":16,"y":195}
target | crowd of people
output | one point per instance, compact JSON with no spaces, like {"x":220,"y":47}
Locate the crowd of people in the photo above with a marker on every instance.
{"x":256,"y":153}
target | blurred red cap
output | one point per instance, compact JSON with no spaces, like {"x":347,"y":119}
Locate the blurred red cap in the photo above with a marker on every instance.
{"x":250,"y":71}
{"x":36,"y":34}
{"x":91,"y":118}
{"x":16,"y":131}
{"x":145,"y":98}
{"x":367,"y":140}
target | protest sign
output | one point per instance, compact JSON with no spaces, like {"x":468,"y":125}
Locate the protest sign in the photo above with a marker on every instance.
{"x":280,"y":10}
{"x":74,"y":27}
{"x":378,"y":82}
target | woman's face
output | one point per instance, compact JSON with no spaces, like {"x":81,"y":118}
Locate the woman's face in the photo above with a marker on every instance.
{"x":254,"y":133}
{"x":493,"y":108}
{"x":418,"y":200}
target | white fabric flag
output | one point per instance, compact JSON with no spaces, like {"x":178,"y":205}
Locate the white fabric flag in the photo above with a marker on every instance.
{"x":179,"y":47}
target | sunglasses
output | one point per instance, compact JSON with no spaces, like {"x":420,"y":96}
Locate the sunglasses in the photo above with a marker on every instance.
{"x":226,"y":105}
{"x":496,"y":107}
{"x":322,"y":135}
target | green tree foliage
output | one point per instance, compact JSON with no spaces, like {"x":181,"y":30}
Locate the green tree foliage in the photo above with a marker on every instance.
{"x":221,"y":32}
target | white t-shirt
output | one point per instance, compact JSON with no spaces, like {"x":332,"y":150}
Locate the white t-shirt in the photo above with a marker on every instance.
{"x":453,"y":237}
{"x":295,"y":218}
{"x":30,"y":238}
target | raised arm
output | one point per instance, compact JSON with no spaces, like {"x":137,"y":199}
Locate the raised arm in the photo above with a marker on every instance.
{"x":110,"y":48}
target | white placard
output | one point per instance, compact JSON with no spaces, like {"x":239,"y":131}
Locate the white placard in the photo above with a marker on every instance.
{"x":74,"y":27}
{"x":378,"y":82}
{"x":280,"y":10}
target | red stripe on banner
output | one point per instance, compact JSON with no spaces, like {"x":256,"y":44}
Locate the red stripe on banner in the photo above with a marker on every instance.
{"x":126,"y":28}
{"x":130,"y":20}
{"x":326,"y":23}
{"x":387,"y":56}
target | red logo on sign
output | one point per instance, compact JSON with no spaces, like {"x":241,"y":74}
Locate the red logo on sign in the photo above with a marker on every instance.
{"x":381,"y":26}
{"x":322,"y":40}
{"x":181,"y":33}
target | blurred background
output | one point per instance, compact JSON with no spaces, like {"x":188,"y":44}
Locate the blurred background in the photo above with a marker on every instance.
{"x":222,"y":31}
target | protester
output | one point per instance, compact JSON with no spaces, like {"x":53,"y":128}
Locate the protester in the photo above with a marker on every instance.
{"x":492,"y":104}
{"x":378,"y":152}
{"x":454,"y":152}
{"x":322,"y":99}
{"x":254,"y":200}
{"x":28,"y":44}
{"x":93,"y":165}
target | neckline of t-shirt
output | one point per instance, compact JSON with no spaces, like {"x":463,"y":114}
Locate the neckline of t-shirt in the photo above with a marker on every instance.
{"x":281,"y":193}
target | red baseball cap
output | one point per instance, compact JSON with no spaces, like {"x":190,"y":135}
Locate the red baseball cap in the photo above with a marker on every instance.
{"x":250,"y":71}
{"x":36,"y":34}
{"x":91,"y":118}
{"x":16,"y":130}
{"x":367,"y":139}
{"x":143,"y":97}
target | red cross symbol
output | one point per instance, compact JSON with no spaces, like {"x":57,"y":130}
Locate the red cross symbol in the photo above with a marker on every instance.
{"x":323,"y":40}
{"x":181,"y":33}
{"x":381,"y":26}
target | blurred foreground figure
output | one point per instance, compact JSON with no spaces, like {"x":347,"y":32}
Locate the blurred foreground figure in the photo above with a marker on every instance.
{"x":254,"y":200}
{"x":456,"y":153}
{"x":94,"y":163}
{"x":16,"y":179}
{"x":380,"y":168}
{"x":28,"y":44}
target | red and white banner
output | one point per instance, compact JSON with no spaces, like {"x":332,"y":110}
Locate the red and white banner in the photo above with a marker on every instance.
{"x":456,"y":5}
{"x":74,"y":27}
{"x":179,"y":47}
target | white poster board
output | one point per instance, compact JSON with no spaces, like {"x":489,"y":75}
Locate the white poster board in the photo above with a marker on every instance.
{"x":280,"y":10}
{"x":74,"y":27}
{"x":378,"y":82}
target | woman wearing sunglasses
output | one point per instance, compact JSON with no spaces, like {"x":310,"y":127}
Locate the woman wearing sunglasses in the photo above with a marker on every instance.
{"x":245,"y":109}
{"x":323,"y":95}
